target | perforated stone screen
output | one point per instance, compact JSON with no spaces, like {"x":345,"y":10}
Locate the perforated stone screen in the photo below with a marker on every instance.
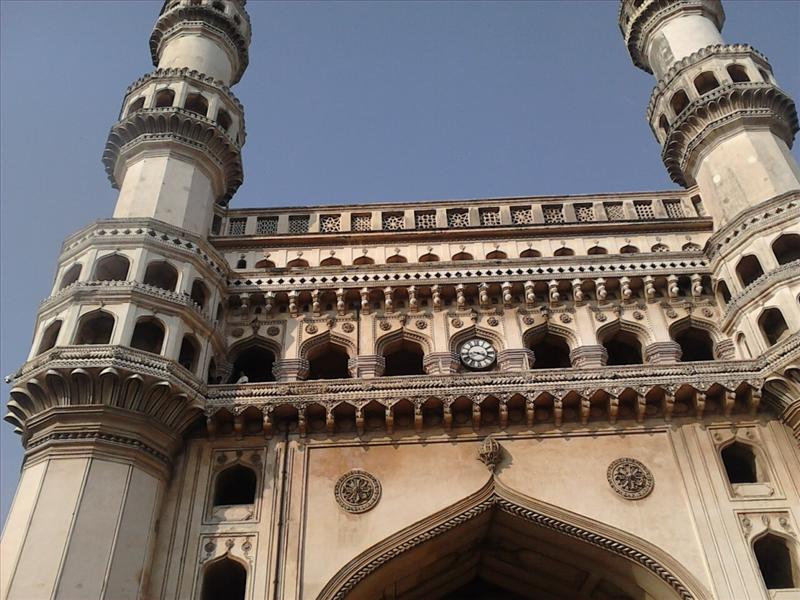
{"x":521,"y":215}
{"x":614,"y":211}
{"x":361,"y":222}
{"x":330,"y":223}
{"x":266,"y":225}
{"x":553,"y":214}
{"x":392,"y":221}
{"x":644,"y":210}
{"x":674,"y":209}
{"x":584,"y":212}
{"x":490,"y":217}
{"x":236,"y":226}
{"x":425,"y":219}
{"x":298,"y":224}
{"x":457,"y":217}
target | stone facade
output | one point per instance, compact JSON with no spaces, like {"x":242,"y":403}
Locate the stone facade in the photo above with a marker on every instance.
{"x":537,"y":397}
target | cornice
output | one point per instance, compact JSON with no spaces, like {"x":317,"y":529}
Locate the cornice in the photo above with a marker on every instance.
{"x":186,"y":73}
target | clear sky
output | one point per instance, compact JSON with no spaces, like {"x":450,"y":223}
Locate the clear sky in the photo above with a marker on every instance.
{"x":345,"y":102}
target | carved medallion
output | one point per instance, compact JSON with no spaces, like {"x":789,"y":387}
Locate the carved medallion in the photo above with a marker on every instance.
{"x":357,"y":491}
{"x":457,"y":323}
{"x":348,"y":327}
{"x":421,"y":324}
{"x":528,"y":320}
{"x":385,"y":325}
{"x":273,"y":330}
{"x":490,"y":453}
{"x":638,"y":315}
{"x":600,"y":317}
{"x":311,"y":329}
{"x":671,"y":313}
{"x":492,"y":321}
{"x":630,"y":478}
{"x":565,"y":318}
{"x":707,"y":312}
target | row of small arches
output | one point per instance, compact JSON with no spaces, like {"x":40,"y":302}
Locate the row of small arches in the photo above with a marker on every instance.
{"x":195,"y":102}
{"x":217,"y":5}
{"x":460,"y":256}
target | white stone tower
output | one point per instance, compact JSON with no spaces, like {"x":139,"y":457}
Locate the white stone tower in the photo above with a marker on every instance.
{"x":726,"y":127}
{"x":102,"y":421}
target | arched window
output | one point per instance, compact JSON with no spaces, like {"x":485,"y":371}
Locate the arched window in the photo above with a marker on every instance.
{"x":265,"y":264}
{"x":764,"y":75}
{"x":255,"y":363}
{"x":550,"y":351}
{"x":224,"y":119}
{"x":212,"y":378}
{"x":199,"y":293}
{"x":691,"y":247}
{"x":241,"y":263}
{"x":596,"y":250}
{"x":113,"y":267}
{"x":775,"y":562}
{"x":663,"y":124}
{"x":297,"y":263}
{"x":659,"y":248}
{"x":137,"y":104}
{"x":462,"y":256}
{"x":773,"y":326}
{"x":95,"y":328}
{"x":429,"y":257}
{"x":628,"y":249}
{"x":71,"y":276}
{"x":496,"y":255}
{"x":196,"y":103}
{"x":189,"y":352}
{"x":162,"y":275}
{"x":738,"y":73}
{"x":749,"y":269}
{"x":679,"y":101}
{"x":363,"y":260}
{"x":50,"y":336}
{"x":218,"y":6}
{"x":328,"y":362}
{"x":224,"y":579}
{"x":404,"y":358}
{"x":530,"y":253}
{"x":723,"y":293}
{"x":331,"y":261}
{"x":235,"y":485}
{"x":165,"y":98}
{"x":564,"y":252}
{"x":623,"y":349}
{"x":740,"y":463}
{"x":396,"y":258}
{"x":695,"y":345}
{"x":705,"y":82}
{"x":786,"y":248}
{"x":148,"y":335}
{"x":220,"y":314}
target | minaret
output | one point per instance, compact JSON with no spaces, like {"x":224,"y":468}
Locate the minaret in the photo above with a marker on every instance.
{"x":726,"y":127}
{"x":126,"y":341}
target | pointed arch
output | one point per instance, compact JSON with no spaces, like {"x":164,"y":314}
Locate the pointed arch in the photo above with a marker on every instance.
{"x":656,"y":571}
{"x":459,"y":337}
{"x":684,"y":331}
{"x":254,"y":358}
{"x":383,"y":343}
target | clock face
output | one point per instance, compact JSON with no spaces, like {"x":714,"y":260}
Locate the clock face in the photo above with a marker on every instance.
{"x":477,"y":354}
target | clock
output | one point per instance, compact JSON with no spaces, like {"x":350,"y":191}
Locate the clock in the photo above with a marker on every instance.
{"x":477,"y":354}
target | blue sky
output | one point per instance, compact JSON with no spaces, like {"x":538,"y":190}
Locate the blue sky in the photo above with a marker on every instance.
{"x":346,"y":102}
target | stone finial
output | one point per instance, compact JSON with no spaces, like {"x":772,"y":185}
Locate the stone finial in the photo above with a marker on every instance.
{"x":490,"y":453}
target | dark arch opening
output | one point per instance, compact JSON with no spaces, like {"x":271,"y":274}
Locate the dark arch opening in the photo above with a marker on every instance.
{"x":530,"y":253}
{"x":738,"y":73}
{"x":775,"y":562}
{"x":396,"y":258}
{"x":162,"y":275}
{"x":71,"y":276}
{"x":462,"y":256}
{"x":740,"y":463}
{"x":196,"y":103}
{"x":255,"y":363}
{"x":496,"y":255}
{"x":329,"y":362}
{"x":404,"y":358}
{"x":550,"y":351}
{"x":695,"y":345}
{"x":429,"y":257}
{"x":786,"y":248}
{"x":629,"y":249}
{"x":265,"y":264}
{"x":199,"y":293}
{"x":113,"y":267}
{"x":241,"y":263}
{"x":623,"y":348}
{"x":224,"y":119}
{"x":773,"y":325}
{"x":148,"y":335}
{"x":678,"y":102}
{"x":224,"y":579}
{"x":297,"y":263}
{"x":564,"y":252}
{"x":95,"y":328}
{"x":189,"y":352}
{"x":235,"y":485}
{"x":363,"y":260}
{"x":705,"y":82}
{"x":137,"y":104}
{"x":596,"y":250}
{"x":164,"y":98}
{"x":749,"y":269}
{"x":723,"y":293}
{"x":50,"y":336}
{"x":331,"y":261}
{"x":663,"y":124}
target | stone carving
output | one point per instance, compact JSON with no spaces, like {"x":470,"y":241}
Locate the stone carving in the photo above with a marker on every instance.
{"x":457,"y":323}
{"x":565,"y":318}
{"x":492,"y":321}
{"x":385,"y":325}
{"x":630,"y":478}
{"x":273,"y":330}
{"x":490,"y":453}
{"x":357,"y":491}
{"x":312,"y":329}
{"x":421,"y":324}
{"x":348,"y":327}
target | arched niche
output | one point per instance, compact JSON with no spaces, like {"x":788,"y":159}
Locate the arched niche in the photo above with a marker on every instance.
{"x":254,"y":360}
{"x":224,"y":578}
{"x":328,"y":356}
{"x":551,"y":346}
{"x":95,"y":327}
{"x":403,"y":352}
{"x":499,"y":544}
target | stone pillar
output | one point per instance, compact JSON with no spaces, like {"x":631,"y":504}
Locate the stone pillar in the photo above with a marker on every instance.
{"x":662,"y":352}
{"x":440,"y":363}
{"x":366,"y":366}
{"x":290,"y":369}
{"x":791,"y":418}
{"x":515,"y":359}
{"x":594,"y":355}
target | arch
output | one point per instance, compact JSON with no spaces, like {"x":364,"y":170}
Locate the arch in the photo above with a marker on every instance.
{"x":773,"y":326}
{"x":749,"y":269}
{"x":723,"y":293}
{"x":112,"y":267}
{"x":265,"y":264}
{"x":95,"y":327}
{"x":462,"y":256}
{"x":452,"y":545}
{"x":496,"y":255}
{"x":691,"y":247}
{"x":136,"y":105}
{"x":235,"y":485}
{"x":678,"y":102}
{"x":737,"y":73}
{"x":403,"y":352}
{"x":241,"y":263}
{"x":396,"y":259}
{"x":663,"y":124}
{"x":224,"y":578}
{"x":659,"y":248}
{"x":50,"y":336}
{"x":71,"y":275}
{"x":594,"y":250}
{"x":331,"y":261}
{"x":199,"y":293}
{"x":695,"y":337}
{"x":530,"y":253}
{"x":224,"y":119}
{"x":472,"y":331}
{"x":778,"y":567}
{"x":705,"y":82}
{"x":328,"y":356}
{"x":786,"y":248}
{"x":429,"y":257}
{"x":148,"y":335}
{"x":189,"y":353}
{"x":161,"y":274}
{"x":564,"y":252}
{"x":297,"y":263}
{"x":629,"y":249}
{"x":255,"y":360}
{"x":196,"y":103}
{"x":739,"y":461}
{"x":164,"y":98}
{"x":550,"y":350}
{"x":217,"y":5}
{"x":364,"y":260}
{"x":624,"y":341}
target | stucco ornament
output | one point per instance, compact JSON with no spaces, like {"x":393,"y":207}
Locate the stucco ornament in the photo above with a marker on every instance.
{"x":630,"y":478}
{"x":490,"y":453}
{"x":357,"y":491}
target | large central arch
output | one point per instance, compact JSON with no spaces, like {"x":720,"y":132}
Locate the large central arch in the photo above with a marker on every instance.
{"x":497,"y":544}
